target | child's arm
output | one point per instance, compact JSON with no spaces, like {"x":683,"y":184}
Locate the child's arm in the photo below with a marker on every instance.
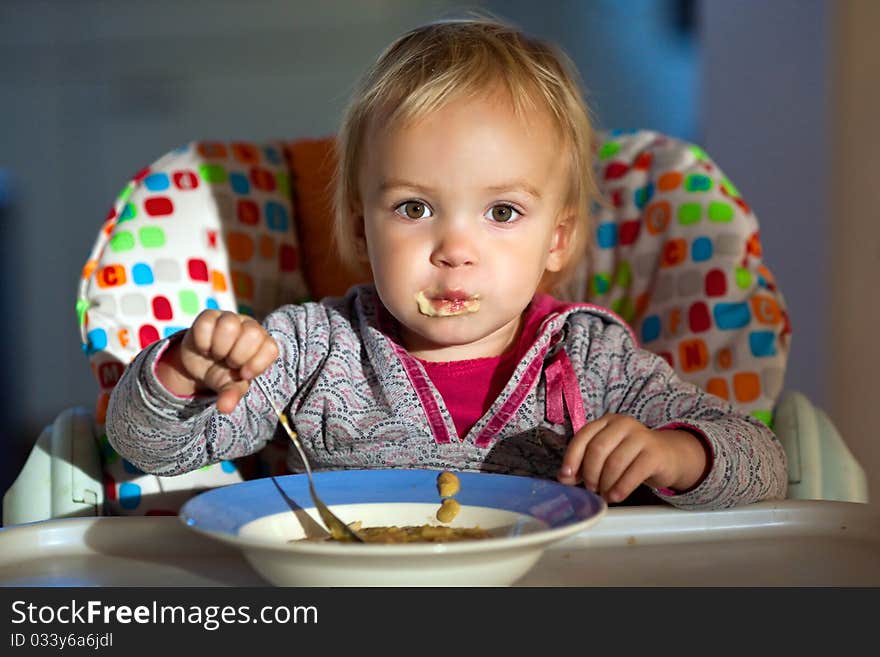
{"x":165,"y":414}
{"x":667,"y":430}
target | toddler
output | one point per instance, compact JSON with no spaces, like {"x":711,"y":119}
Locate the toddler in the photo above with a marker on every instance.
{"x":464,"y":185}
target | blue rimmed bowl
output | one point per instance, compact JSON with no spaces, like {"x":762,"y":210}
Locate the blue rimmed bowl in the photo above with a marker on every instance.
{"x":266,"y":518}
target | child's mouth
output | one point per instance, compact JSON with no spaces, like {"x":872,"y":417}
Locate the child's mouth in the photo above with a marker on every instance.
{"x":447,"y":303}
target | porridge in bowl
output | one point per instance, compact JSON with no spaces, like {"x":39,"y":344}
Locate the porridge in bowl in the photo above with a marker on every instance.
{"x":448,"y":485}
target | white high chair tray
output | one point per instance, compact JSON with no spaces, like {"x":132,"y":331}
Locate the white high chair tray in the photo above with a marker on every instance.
{"x":789,"y":543}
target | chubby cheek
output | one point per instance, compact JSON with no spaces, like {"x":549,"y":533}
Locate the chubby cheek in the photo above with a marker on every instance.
{"x":517,"y":270}
{"x":395,"y":268}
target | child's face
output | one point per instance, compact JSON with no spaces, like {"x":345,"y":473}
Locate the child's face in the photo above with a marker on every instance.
{"x":463,"y":212}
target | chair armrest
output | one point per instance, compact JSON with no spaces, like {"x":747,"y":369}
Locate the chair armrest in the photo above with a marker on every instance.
{"x":61,"y":476}
{"x":820,"y":465}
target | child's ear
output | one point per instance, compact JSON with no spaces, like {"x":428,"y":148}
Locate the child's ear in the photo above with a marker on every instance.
{"x":562,"y":240}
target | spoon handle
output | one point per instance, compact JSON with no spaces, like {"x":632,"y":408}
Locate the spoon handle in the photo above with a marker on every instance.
{"x":338,"y":529}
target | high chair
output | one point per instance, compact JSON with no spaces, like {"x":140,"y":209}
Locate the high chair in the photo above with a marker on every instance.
{"x":247,"y":227}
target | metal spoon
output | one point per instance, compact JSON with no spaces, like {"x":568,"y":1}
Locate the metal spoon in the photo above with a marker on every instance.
{"x":338,"y":529}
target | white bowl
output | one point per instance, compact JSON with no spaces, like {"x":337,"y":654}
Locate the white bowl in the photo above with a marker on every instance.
{"x":264,"y":518}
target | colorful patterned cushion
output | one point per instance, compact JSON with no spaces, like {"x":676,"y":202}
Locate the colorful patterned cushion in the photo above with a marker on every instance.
{"x":677,"y":253}
{"x":209,"y":225}
{"x":247,"y":227}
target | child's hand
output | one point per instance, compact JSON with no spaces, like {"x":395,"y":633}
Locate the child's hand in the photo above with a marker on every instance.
{"x":613,"y":454}
{"x":221,"y":351}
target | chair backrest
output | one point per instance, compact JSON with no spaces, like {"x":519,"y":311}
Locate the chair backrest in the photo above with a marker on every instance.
{"x":678,"y":254}
{"x":247,"y":227}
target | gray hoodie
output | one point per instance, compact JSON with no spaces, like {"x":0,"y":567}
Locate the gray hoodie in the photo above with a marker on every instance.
{"x":359,"y":400}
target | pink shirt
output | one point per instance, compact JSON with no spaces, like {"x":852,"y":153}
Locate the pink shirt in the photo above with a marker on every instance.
{"x":469,"y":387}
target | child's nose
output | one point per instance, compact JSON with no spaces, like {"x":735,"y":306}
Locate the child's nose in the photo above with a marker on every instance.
{"x":456,"y":247}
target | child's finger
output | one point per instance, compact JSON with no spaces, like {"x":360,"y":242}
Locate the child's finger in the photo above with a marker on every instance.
{"x":602,"y":445}
{"x":617,"y":463}
{"x":230,"y":395}
{"x":261,"y":361}
{"x":201,"y":332}
{"x":227,"y":329}
{"x":569,"y":471}
{"x":640,"y":469}
{"x":247,"y":343}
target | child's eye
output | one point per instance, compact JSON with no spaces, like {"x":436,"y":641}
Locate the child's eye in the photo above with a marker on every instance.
{"x":503,"y":213}
{"x":413,"y":210}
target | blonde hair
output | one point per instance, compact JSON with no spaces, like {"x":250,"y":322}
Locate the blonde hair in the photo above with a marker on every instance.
{"x":438,"y":62}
